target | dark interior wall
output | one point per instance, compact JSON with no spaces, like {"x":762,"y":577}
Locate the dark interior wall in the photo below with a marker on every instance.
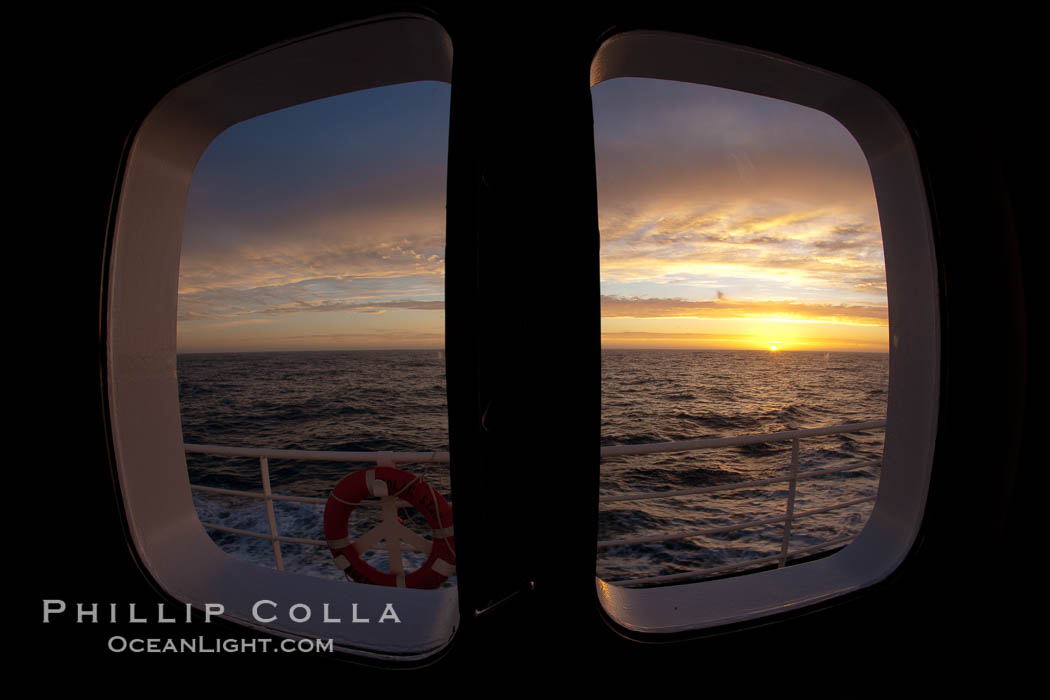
{"x":521,"y":143}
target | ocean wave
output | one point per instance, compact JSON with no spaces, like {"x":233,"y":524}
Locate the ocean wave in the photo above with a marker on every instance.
{"x":395,"y":400}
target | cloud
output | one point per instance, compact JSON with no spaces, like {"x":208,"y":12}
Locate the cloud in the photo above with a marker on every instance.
{"x":336,"y":205}
{"x":380,"y":307}
{"x":228,"y":304}
{"x":667,"y":142}
{"x":386,"y":336}
{"x":688,"y":340}
{"x":774,"y":242}
{"x":655,"y":336}
{"x":399,"y":273}
{"x":367,"y":166}
{"x":276,"y":341}
{"x":633,"y":307}
{"x":297,"y":259}
{"x":699,"y":185}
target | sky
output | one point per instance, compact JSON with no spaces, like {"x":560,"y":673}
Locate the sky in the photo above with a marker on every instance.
{"x":727,"y":220}
{"x":730,"y":220}
{"x":320,"y":226}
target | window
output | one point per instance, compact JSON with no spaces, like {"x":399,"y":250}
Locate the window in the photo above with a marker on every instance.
{"x":311,"y":316}
{"x":142,"y":331}
{"x":142,"y":340}
{"x":743,"y":294}
{"x":650,"y":272}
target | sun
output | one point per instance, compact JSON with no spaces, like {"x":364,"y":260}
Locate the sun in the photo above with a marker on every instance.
{"x":772,"y":348}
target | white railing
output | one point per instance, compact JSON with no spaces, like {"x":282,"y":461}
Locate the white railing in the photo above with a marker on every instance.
{"x":381,"y":459}
{"x":788,"y":519}
{"x":391,"y":458}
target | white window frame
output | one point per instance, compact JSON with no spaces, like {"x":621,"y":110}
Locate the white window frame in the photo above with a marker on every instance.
{"x":143,"y":397}
{"x":912,"y":296}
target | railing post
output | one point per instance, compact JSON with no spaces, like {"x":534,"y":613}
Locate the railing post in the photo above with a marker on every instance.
{"x":393,"y":544}
{"x":264,"y":466}
{"x":790,"y":504}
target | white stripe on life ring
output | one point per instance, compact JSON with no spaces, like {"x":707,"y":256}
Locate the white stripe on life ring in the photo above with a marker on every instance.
{"x":444,"y":532}
{"x":339,"y":544}
{"x":376,"y":487}
{"x":342,"y":562}
{"x":444,"y":568}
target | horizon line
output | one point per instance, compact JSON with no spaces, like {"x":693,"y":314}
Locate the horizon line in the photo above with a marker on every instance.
{"x":442,"y":349}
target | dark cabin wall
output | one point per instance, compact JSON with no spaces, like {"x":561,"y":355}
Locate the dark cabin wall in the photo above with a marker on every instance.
{"x":963,"y":86}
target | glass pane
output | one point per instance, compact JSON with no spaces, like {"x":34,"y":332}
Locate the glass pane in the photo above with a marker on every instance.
{"x":311,"y":317}
{"x":743,"y":293}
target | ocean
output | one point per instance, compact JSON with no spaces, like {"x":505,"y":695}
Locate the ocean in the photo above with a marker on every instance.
{"x":395,"y":400}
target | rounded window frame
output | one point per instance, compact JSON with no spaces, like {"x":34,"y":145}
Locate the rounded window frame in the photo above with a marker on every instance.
{"x":140,"y":336}
{"x":914,"y":324}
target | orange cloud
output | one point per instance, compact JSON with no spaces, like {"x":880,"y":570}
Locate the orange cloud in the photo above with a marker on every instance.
{"x":632,"y":307}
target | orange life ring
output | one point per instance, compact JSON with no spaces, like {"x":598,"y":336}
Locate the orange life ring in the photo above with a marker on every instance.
{"x":381,"y":482}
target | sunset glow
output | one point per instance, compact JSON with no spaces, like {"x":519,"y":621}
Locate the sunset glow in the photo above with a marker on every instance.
{"x":728,"y":218}
{"x":321,"y":227}
{"x":725,"y":219}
